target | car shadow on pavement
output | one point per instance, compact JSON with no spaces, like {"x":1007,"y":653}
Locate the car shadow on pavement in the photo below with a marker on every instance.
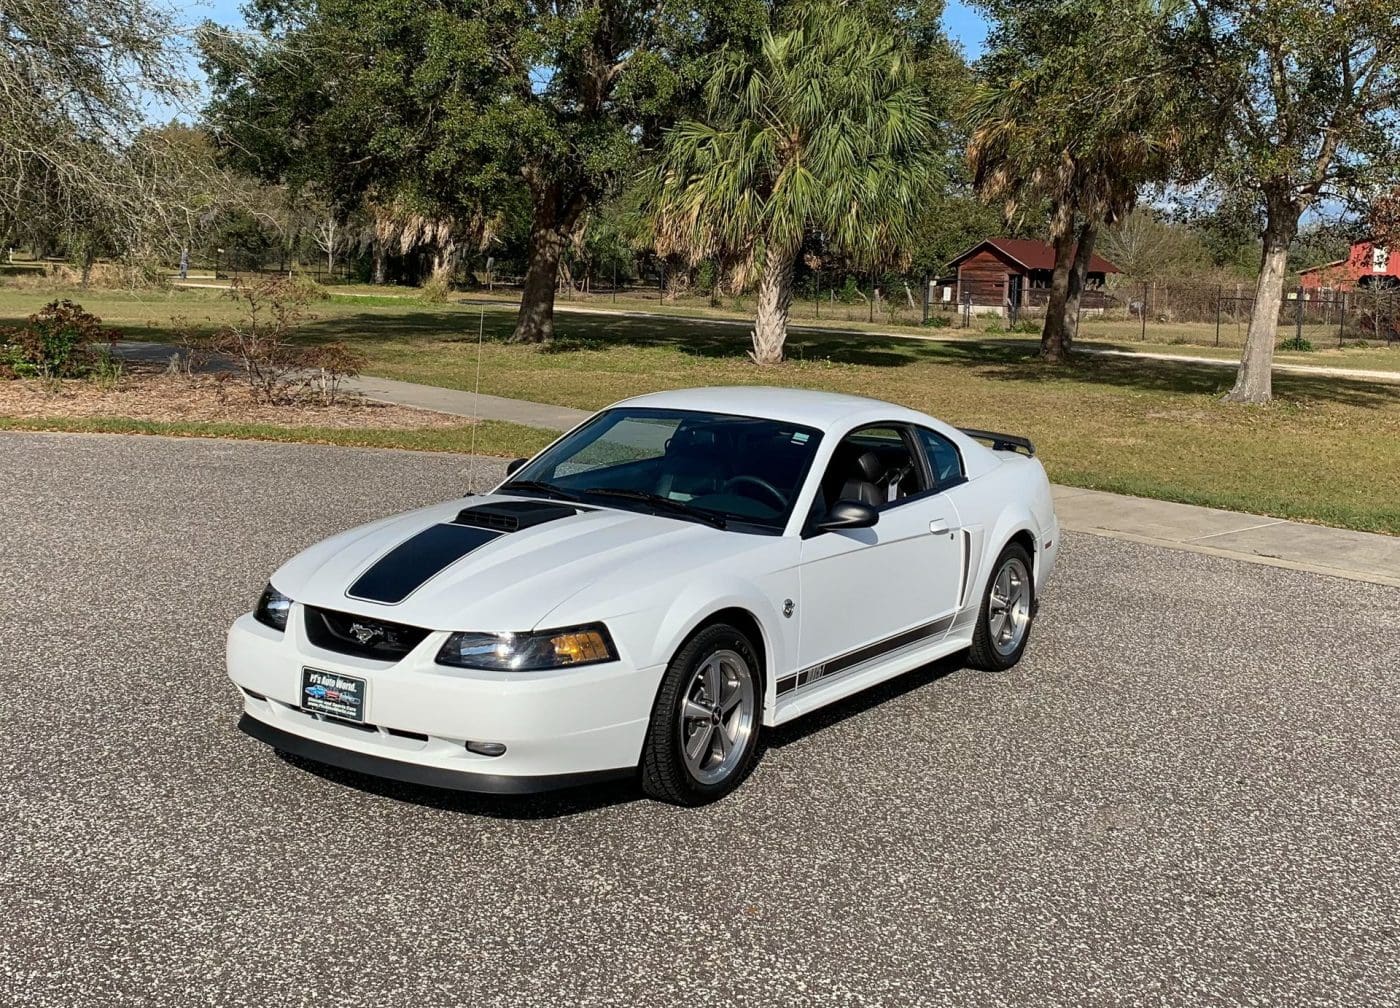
{"x":859,"y":703}
{"x":547,"y":805}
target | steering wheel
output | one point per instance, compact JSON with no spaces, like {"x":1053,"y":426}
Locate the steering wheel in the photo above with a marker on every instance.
{"x":762,"y":484}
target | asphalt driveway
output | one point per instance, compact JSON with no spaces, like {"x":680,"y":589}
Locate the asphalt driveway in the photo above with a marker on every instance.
{"x":1186,"y":794}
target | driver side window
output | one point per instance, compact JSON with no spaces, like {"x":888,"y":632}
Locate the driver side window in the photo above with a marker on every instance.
{"x":876,"y":465}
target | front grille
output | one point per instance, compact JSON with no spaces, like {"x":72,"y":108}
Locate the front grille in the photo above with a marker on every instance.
{"x":349,"y":634}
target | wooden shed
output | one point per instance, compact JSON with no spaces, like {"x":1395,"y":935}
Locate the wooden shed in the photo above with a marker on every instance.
{"x":1004,"y":275}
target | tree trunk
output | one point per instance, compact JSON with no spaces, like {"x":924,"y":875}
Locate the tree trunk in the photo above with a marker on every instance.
{"x":551,"y":221}
{"x":379,"y":265}
{"x":774,"y":300}
{"x":1053,"y":338}
{"x":1074,"y":293}
{"x":1255,"y":381}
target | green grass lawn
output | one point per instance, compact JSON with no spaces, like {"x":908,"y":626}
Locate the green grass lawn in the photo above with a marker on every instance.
{"x":1327,"y":451}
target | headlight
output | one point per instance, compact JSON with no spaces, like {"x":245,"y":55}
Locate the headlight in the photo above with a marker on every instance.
{"x":273,"y":608}
{"x":529,"y":652}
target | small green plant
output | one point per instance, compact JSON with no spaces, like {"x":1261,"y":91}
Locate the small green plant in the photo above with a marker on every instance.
{"x":56,"y":342}
{"x":938,"y":322}
{"x":849,"y":292}
{"x":705,"y":278}
{"x":107,"y":368}
{"x":1296,"y":343}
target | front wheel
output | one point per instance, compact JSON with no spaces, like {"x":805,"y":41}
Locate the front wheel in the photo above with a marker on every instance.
{"x":1008,"y":608}
{"x":703,"y":735}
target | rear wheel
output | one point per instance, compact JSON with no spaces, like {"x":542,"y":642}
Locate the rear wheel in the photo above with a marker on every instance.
{"x":1008,"y":609}
{"x":703,"y":735}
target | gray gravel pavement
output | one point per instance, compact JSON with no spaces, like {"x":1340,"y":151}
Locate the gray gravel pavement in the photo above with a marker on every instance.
{"x":1186,"y":793}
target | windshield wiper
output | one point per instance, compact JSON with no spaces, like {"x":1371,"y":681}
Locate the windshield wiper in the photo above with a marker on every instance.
{"x":544,"y":489}
{"x":662,"y":503}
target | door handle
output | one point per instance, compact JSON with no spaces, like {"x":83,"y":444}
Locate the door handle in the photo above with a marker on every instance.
{"x":940,"y":527}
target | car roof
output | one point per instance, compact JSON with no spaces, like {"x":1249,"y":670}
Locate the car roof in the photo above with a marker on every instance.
{"x":822,"y":410}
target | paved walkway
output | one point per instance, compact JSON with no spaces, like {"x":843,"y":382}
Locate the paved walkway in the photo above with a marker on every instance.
{"x":1361,"y":556}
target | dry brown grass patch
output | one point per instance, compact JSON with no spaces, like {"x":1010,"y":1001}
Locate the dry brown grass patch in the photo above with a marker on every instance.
{"x":151,"y":394}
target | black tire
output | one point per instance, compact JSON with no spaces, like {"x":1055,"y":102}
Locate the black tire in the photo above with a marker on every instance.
{"x":986,"y":652}
{"x":666,"y":774}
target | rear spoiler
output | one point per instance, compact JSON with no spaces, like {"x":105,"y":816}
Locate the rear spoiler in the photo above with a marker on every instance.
{"x":1001,"y":442}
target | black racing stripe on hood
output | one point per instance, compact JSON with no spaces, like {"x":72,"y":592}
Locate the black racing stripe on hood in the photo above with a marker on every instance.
{"x":398,"y":573}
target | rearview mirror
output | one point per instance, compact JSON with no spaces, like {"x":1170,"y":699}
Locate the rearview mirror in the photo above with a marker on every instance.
{"x":848,"y":514}
{"x":513,"y":465}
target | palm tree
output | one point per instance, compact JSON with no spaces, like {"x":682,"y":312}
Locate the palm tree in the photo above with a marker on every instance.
{"x":824,"y":128}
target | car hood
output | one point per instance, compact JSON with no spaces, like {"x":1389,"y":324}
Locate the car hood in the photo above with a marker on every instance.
{"x":511,"y":581}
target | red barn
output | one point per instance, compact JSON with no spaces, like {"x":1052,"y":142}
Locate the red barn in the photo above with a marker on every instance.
{"x":1006,"y":273}
{"x":1367,"y":265}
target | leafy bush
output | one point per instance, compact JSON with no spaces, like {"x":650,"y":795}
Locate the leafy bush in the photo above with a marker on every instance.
{"x":306,"y":288}
{"x":55,"y":342}
{"x":1024,"y":326}
{"x":1296,"y":342}
{"x":938,"y":322}
{"x":705,"y":277}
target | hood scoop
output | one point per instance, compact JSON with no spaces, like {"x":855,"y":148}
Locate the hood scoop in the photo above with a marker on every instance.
{"x":512,"y":516}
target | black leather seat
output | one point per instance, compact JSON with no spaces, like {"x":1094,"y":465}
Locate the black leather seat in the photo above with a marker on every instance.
{"x":862,"y":481}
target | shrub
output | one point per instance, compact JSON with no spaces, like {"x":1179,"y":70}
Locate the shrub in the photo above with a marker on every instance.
{"x":329,"y":365}
{"x":938,"y":322}
{"x":307,"y":288}
{"x":263,"y":340}
{"x":1024,"y":326}
{"x":436,"y":289}
{"x":277,"y":367}
{"x":55,"y":342}
{"x":1296,"y":342}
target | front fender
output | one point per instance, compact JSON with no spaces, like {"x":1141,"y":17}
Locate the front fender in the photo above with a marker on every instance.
{"x":650,"y":635}
{"x":1012,"y":519}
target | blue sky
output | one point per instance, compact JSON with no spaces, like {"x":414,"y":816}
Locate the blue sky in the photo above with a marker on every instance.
{"x":964,"y":24}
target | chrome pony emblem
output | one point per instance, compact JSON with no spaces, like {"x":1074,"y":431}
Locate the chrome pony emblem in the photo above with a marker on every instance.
{"x":365,"y":634}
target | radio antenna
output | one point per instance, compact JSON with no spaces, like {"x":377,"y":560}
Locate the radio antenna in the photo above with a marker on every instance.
{"x":476,"y":395}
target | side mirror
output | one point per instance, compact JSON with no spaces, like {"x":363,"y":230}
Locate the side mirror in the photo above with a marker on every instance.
{"x":848,"y":514}
{"x":513,"y":465}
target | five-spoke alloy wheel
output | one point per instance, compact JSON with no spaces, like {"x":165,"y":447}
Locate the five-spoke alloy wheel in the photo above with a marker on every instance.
{"x":704,"y":726}
{"x":1004,"y":623}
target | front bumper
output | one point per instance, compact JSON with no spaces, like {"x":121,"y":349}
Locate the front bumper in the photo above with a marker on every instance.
{"x":558,"y":728}
{"x":415,"y":773}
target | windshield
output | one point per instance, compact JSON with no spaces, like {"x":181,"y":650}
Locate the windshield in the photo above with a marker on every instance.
{"x":733,"y":471}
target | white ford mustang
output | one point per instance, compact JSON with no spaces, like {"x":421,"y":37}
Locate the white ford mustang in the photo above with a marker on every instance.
{"x":649,"y":592}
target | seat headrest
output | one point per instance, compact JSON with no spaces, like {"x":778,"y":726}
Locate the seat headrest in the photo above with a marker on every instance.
{"x":692,"y":439}
{"x":870,"y":466}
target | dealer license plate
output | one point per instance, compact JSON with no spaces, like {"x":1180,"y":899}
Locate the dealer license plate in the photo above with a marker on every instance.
{"x":340,"y":696}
